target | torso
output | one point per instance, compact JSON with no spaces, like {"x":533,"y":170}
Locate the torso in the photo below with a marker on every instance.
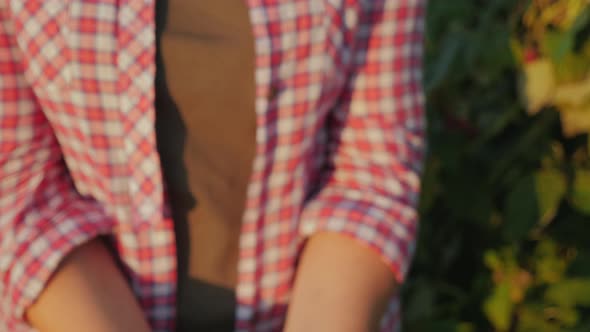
{"x":206,"y":136}
{"x":93,"y":82}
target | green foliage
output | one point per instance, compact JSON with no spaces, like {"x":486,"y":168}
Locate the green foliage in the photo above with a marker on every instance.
{"x":506,"y":195}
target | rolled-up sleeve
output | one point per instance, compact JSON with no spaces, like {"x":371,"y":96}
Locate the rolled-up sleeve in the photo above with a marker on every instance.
{"x":42,"y":216}
{"x":377,"y":138}
{"x":46,"y":221}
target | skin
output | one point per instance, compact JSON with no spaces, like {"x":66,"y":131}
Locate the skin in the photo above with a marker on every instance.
{"x":340,"y":286}
{"x":87,"y":293}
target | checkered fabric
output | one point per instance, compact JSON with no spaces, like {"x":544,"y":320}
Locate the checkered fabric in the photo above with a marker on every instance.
{"x":339,"y":144}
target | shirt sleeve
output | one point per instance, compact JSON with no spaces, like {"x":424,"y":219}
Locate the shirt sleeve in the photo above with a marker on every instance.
{"x":46,"y":221}
{"x":42,"y":216}
{"x":377,"y":138}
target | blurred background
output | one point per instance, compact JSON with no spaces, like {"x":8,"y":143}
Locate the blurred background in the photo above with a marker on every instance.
{"x":505,"y":229}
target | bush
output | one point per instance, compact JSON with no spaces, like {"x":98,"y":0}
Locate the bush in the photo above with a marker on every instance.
{"x":506,"y":190}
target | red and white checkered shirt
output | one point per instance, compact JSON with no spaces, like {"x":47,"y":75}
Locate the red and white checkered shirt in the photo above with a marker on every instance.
{"x":339,"y":144}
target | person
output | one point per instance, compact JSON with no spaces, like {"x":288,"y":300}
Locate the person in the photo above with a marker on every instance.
{"x":208,"y":165}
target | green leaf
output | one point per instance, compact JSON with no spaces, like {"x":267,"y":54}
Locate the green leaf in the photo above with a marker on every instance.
{"x":583,"y":326}
{"x":521,"y":209}
{"x":492,"y":260}
{"x":549,"y":267}
{"x":541,"y":318}
{"x":551,"y":187}
{"x":569,"y":293}
{"x":465,"y":327}
{"x":430,"y":183}
{"x":494,"y":43}
{"x":582,"y":21}
{"x":498,"y":307}
{"x":437,"y":72}
{"x":580,"y":266}
{"x":558,"y":44}
{"x":489,"y":158}
{"x":580,"y":196}
{"x":530,"y":322}
{"x":440,"y":326}
{"x":498,"y":123}
{"x":568,"y":317}
{"x":517,"y":50}
{"x":532,"y":138}
{"x":420,"y":306}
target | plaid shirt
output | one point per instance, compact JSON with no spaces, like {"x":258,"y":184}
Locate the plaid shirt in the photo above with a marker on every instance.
{"x":339,"y":144}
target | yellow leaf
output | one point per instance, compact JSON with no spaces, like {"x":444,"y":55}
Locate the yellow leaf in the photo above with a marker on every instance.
{"x":549,"y":266}
{"x":573,"y":9}
{"x":569,"y":293}
{"x":492,"y":260}
{"x":573,"y":74}
{"x":534,"y":318}
{"x":551,"y":187}
{"x":567,"y":316}
{"x":499,"y":308}
{"x":539,"y":84}
{"x":575,"y":121}
{"x":580,"y":196}
{"x":573,"y":94}
{"x":586,"y":49}
{"x":554,"y":13}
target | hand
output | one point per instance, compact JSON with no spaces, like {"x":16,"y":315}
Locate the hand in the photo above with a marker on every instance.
{"x":87,"y":293}
{"x":341,"y":286}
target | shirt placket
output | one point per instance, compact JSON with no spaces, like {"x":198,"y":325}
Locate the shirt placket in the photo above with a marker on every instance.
{"x":248,"y":265}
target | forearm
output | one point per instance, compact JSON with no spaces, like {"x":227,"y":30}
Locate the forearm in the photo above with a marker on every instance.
{"x":87,"y":293}
{"x":340,"y":286}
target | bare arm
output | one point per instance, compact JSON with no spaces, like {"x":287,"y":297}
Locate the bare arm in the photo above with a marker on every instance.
{"x":87,"y":293}
{"x":340,"y":286}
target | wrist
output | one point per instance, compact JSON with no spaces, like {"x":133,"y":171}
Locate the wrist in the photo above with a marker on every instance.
{"x":87,"y":292}
{"x":340,"y":286}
